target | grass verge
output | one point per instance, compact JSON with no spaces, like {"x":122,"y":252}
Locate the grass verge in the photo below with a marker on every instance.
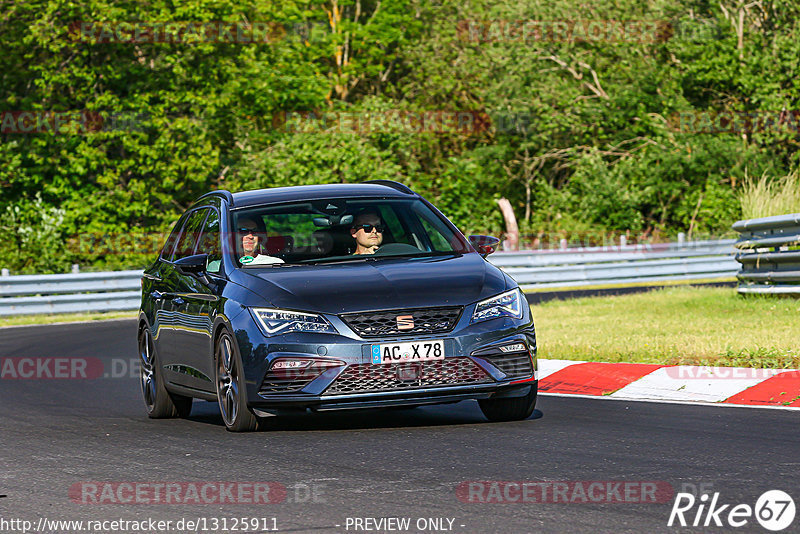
{"x":22,"y":320}
{"x":651,"y":283}
{"x":673,"y":326}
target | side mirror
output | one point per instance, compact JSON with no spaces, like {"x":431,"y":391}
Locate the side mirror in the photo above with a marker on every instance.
{"x":192,"y":264}
{"x":484,"y":244}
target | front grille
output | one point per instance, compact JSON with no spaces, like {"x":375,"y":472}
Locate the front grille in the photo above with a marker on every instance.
{"x":385,"y":323}
{"x":366,"y":378}
{"x":287,"y":380}
{"x":513,"y":365}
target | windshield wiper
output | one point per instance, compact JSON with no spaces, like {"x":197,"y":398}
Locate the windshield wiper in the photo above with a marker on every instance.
{"x":345,"y":259}
{"x":265,"y":265}
{"x":376,"y":257}
{"x":432,"y":254}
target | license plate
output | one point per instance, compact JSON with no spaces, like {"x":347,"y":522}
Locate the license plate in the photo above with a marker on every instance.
{"x":415,"y":351}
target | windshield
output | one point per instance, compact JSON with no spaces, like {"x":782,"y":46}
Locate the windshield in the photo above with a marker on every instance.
{"x":338,"y":230}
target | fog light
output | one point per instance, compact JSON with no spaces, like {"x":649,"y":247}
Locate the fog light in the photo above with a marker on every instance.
{"x":291,"y":364}
{"x":516,"y":347}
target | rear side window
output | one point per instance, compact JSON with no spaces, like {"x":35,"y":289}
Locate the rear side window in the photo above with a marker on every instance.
{"x":190,"y":235}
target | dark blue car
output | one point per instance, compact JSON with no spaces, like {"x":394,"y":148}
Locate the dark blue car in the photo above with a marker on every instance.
{"x":330,"y":297}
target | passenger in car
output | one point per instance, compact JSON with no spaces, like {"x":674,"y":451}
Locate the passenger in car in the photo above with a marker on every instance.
{"x":367,"y":230}
{"x":250,"y":234}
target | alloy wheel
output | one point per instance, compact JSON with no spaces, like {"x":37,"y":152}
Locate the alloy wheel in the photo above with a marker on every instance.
{"x":227,"y":381}
{"x":146,"y":376}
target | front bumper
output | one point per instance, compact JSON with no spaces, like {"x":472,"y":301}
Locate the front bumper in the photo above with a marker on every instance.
{"x":473,"y":347}
{"x":418,"y":397}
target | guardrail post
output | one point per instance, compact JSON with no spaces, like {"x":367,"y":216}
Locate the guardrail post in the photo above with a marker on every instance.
{"x":770,"y":263}
{"x":623,"y":241}
{"x":76,"y":268}
{"x":4,"y":272}
{"x":563,"y":244}
{"x":681,"y":239}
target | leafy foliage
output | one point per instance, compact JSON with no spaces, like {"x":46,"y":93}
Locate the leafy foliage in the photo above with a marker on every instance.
{"x":586,"y":136}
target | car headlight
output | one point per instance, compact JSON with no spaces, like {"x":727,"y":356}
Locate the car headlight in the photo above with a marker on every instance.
{"x":508,"y":304}
{"x":276,"y":322}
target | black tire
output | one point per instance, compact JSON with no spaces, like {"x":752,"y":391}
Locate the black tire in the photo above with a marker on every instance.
{"x":231,"y":391}
{"x":511,"y":409}
{"x":159,"y":403}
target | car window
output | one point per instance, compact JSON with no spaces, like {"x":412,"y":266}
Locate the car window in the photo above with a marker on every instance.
{"x":437,"y":240}
{"x":393,"y":225}
{"x":189,"y":236}
{"x":210,"y":243}
{"x":441,"y":237}
{"x":328,"y":230}
{"x":169,"y":246}
{"x":287,"y":223}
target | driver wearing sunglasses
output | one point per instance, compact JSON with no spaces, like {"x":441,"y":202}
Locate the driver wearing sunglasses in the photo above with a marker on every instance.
{"x":367,"y":230}
{"x":250,"y":235}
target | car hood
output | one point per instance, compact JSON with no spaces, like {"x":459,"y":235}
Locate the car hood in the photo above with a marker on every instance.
{"x":386,"y":283}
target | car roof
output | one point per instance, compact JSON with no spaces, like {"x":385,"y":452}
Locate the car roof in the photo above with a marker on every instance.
{"x":257,"y":197}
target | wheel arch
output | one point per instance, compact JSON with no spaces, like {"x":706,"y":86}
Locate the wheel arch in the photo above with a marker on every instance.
{"x":143,"y":323}
{"x":220,"y":325}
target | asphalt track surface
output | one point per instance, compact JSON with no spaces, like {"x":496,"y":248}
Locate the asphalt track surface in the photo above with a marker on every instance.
{"x":370,"y":464}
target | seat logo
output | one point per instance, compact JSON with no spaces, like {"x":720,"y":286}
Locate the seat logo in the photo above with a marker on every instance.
{"x":405,"y":322}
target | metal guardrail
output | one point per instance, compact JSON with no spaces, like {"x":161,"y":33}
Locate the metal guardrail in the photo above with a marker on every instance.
{"x":70,"y":293}
{"x":769,"y":254}
{"x":534,"y":270}
{"x":554,"y":269}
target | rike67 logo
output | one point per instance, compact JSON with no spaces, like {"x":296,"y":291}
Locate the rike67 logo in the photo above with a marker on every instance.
{"x":774,"y":510}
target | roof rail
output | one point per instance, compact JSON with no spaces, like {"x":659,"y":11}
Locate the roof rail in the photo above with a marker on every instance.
{"x":394,"y":185}
{"x":219,"y":193}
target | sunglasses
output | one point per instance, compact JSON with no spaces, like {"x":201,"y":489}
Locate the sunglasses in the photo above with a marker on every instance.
{"x":247,"y":231}
{"x":368,"y":228}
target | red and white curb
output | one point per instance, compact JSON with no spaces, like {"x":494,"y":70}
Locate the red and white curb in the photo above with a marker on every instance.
{"x":778,"y":388}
